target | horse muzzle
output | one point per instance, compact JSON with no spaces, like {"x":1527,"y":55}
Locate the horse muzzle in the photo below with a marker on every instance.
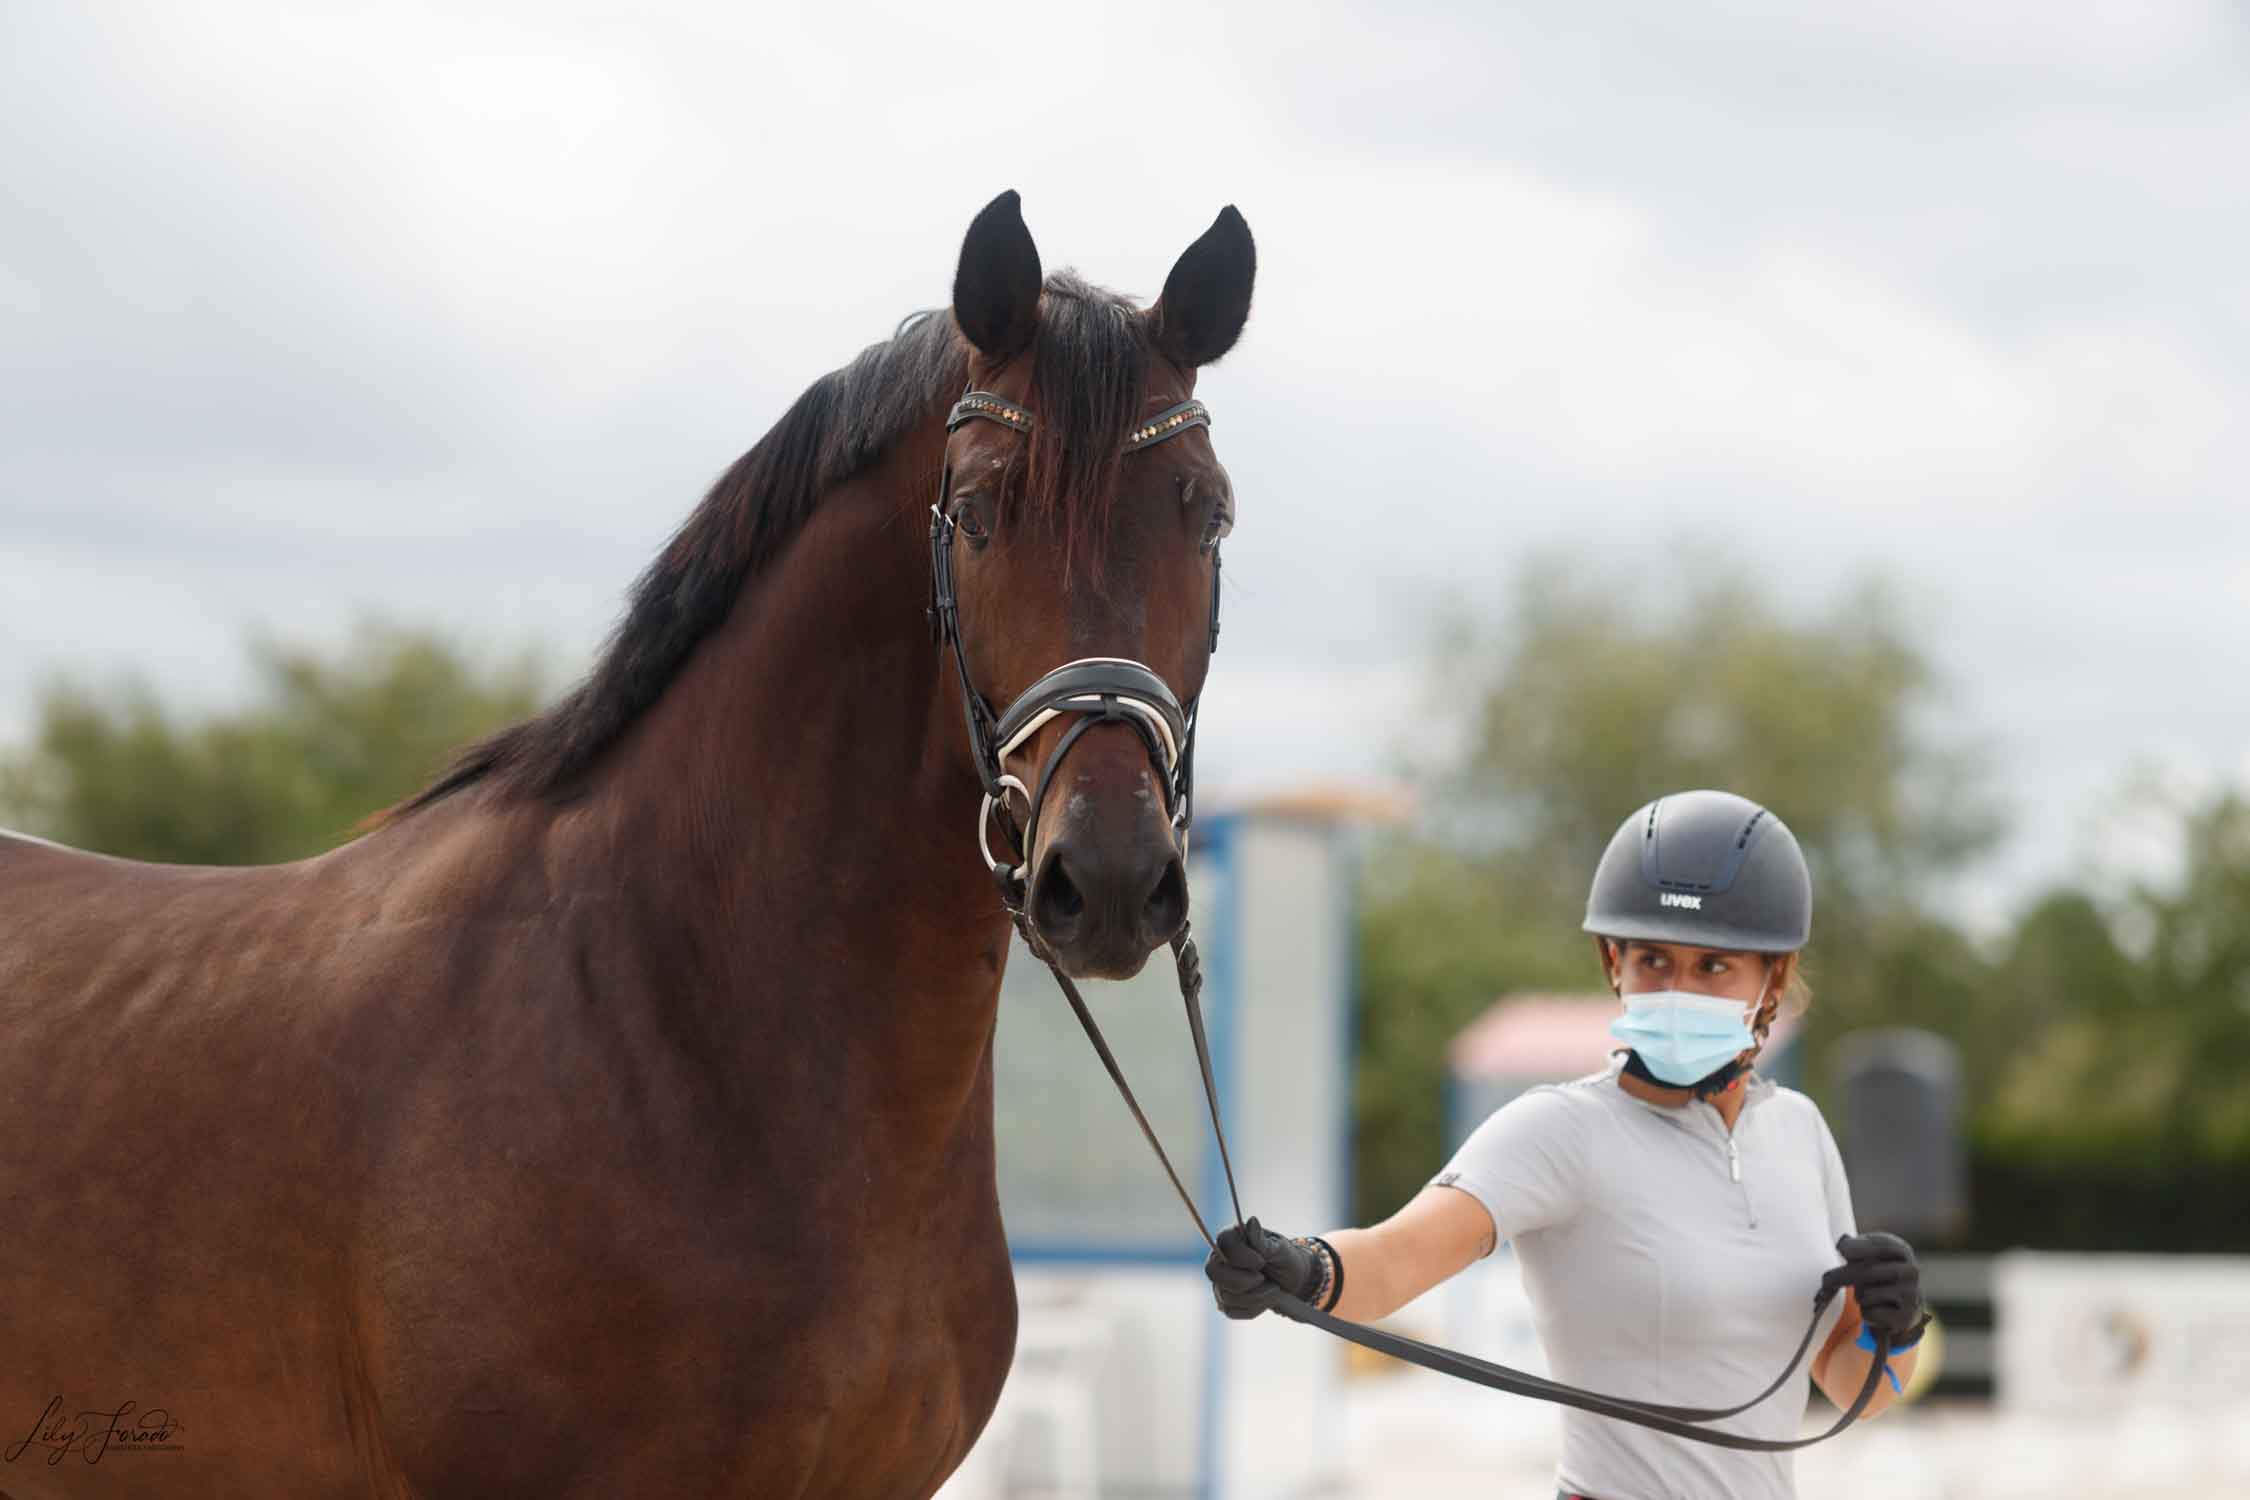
{"x":1108,"y":884}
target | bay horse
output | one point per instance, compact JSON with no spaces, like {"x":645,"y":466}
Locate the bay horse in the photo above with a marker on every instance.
{"x":614,"y":1117}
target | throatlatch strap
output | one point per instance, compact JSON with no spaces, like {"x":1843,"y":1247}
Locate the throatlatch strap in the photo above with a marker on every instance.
{"x":1678,"y":1421}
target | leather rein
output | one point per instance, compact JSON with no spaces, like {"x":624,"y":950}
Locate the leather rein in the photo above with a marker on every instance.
{"x":1118,"y":690}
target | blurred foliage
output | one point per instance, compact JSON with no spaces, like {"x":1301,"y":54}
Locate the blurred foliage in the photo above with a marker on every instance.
{"x":322,"y":744}
{"x":2119,"y":1118}
{"x":2087,"y":1058}
{"x":2146,"y":1053}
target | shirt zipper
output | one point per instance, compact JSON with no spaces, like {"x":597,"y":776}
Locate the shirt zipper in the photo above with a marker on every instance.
{"x":1734,"y":1163}
{"x":1734,"y":1174}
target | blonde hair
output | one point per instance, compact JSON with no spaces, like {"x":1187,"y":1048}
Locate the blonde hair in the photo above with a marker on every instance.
{"x":1796,"y":989}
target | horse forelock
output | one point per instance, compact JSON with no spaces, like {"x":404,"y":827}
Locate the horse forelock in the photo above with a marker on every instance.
{"x":1089,"y":369}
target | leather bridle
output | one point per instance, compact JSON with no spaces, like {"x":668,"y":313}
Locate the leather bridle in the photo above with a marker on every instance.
{"x":1105,"y":689}
{"x":1096,"y":689}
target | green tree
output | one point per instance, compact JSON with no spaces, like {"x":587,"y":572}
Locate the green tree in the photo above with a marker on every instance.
{"x":323,"y":743}
{"x":2146,"y":1052}
{"x":1579,"y":705}
{"x":2199,"y":964}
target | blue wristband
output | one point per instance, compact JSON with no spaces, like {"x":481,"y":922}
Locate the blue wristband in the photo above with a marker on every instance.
{"x":1866,"y":1340}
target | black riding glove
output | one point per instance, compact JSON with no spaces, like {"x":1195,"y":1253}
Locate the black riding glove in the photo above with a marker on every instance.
{"x":1880,"y":1270}
{"x":1252,"y":1266}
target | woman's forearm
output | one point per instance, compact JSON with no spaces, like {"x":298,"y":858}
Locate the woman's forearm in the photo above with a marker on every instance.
{"x":1440,"y":1231}
{"x":1367,"y":1292}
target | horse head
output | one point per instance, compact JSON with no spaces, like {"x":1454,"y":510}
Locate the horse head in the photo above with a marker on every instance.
{"x":1075,"y":559}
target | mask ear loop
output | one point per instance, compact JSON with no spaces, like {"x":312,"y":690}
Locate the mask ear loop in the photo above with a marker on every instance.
{"x":1759,"y":1029}
{"x":1740,"y":1068}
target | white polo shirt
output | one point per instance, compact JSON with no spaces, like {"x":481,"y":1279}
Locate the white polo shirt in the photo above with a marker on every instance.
{"x":1669,"y":1261}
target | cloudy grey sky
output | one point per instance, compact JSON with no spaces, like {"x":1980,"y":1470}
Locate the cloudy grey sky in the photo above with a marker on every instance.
{"x":452,"y":312}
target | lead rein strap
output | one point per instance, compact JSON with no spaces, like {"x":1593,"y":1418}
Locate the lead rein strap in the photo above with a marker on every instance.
{"x":1190,"y":965}
{"x":1183,"y":950}
{"x":1519,"y":1383}
{"x":1679,"y":1421}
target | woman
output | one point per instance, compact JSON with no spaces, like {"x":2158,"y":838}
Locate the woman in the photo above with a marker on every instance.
{"x":1672,"y":1215}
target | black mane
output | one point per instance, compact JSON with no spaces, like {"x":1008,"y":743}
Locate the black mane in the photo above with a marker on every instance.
{"x":1090,"y":358}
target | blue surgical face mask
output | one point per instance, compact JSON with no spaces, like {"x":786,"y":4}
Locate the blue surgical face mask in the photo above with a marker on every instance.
{"x":1684,"y":1038}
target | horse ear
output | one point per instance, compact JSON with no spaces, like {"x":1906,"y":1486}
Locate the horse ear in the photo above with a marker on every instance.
{"x":1207,"y":297}
{"x":996,"y":289}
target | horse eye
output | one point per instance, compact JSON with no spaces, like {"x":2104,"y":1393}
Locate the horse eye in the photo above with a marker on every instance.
{"x":1220,"y":524}
{"x":971,"y":525}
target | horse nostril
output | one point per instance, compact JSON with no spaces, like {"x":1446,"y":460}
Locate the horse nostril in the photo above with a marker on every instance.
{"x":1166,"y":909}
{"x":1057,"y":903}
{"x":1063,"y":897}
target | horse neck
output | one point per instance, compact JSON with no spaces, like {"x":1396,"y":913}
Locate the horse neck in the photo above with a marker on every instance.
{"x":798,"y":812}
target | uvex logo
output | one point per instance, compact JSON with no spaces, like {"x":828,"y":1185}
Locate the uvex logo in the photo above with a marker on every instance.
{"x":1673,"y":898}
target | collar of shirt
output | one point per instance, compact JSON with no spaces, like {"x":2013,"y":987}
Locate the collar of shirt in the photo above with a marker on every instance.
{"x":1756,"y":1090}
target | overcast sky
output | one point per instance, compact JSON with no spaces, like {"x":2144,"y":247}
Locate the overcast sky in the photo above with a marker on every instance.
{"x":453,"y":317}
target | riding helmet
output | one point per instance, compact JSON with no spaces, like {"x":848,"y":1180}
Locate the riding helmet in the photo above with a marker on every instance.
{"x":1708,"y":869}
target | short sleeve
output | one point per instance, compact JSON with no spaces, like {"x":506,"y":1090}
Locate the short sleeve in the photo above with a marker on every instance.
{"x":1525,"y":1163}
{"x":1832,"y":1179}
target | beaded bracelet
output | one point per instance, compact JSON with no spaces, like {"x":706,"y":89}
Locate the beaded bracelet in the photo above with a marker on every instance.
{"x":1335,"y":1261}
{"x":1331,"y":1287}
{"x":1319,"y":1289}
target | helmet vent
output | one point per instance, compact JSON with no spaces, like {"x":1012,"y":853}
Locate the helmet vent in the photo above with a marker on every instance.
{"x":1710,"y":872}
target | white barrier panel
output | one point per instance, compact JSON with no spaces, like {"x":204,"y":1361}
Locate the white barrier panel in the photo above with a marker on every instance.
{"x":2087,"y":1334}
{"x":1122,"y":1350}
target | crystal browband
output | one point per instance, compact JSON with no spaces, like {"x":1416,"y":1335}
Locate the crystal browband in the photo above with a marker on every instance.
{"x":992,"y":408}
{"x":1168,"y":423}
